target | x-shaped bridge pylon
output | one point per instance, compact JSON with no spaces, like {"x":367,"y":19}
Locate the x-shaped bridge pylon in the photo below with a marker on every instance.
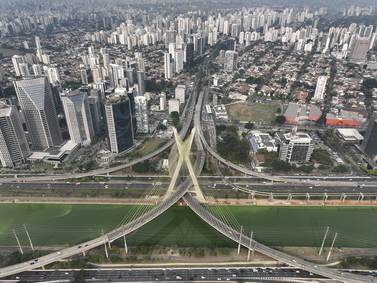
{"x":184,"y":149}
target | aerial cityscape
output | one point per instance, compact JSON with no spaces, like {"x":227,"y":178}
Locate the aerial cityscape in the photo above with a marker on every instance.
{"x":179,"y":141}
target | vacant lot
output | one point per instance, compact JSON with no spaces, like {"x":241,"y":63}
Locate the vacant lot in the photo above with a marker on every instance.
{"x":51,"y":224}
{"x":254,"y":112}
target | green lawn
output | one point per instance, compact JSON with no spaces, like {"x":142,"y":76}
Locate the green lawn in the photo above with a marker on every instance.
{"x":254,"y":112}
{"x":148,"y":146}
{"x":50,"y":224}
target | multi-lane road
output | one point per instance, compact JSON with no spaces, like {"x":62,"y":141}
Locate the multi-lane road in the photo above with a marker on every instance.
{"x":164,"y":274}
{"x":208,"y":185}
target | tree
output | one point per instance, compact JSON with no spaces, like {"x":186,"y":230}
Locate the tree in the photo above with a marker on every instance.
{"x":175,"y":118}
{"x":232,"y":147}
{"x":370,"y":83}
{"x":281,"y":166}
{"x":340,"y":169}
{"x":321,"y":156}
{"x":280,"y":119}
{"x":249,"y":126}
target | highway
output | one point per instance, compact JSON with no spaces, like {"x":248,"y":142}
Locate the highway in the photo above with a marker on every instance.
{"x":165,"y":274}
{"x":251,"y":244}
{"x":186,"y":117}
{"x":117,"y":233}
{"x":181,"y":192}
{"x":205,"y":184}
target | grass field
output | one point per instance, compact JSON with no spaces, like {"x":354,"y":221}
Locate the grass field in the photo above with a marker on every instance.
{"x":148,"y":146}
{"x":254,"y":112}
{"x":50,"y":224}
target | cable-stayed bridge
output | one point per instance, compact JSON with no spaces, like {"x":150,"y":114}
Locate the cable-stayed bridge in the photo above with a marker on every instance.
{"x":190,"y":192}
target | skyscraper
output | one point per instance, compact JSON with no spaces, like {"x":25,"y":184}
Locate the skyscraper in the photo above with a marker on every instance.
{"x":141,"y":112}
{"x":179,"y":58}
{"x":180,"y":93}
{"x":17,"y":60}
{"x":84,"y":75}
{"x":119,"y":122}
{"x":37,"y":70}
{"x":168,"y":66}
{"x":141,"y":82}
{"x":14,"y":148}
{"x":162,"y":101}
{"x":320,"y":88}
{"x":78,"y":117}
{"x":369,"y":144}
{"x":37,"y":104}
{"x":190,"y":55}
{"x":96,"y":111}
{"x":360,"y":49}
{"x":230,"y":60}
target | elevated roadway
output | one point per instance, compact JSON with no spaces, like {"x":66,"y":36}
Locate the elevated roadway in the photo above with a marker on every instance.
{"x":251,"y":244}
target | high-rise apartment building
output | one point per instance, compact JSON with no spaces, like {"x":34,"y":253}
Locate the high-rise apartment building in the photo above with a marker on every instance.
{"x":17,"y":60}
{"x":162,"y":101}
{"x":179,"y":58}
{"x":14,"y":148}
{"x":168,"y":66}
{"x":37,"y":104}
{"x":141,"y":82}
{"x":360,"y":49}
{"x":78,"y":116}
{"x":180,"y":93}
{"x":141,"y":112}
{"x":230,"y":62}
{"x":320,"y":88}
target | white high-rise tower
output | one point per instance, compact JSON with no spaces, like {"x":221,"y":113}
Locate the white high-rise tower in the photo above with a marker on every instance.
{"x":77,"y":114}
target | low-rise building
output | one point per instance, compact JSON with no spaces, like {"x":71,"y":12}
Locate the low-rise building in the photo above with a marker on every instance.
{"x":259,"y":140}
{"x":220,"y":112}
{"x":349,"y":136}
{"x":301,"y":113}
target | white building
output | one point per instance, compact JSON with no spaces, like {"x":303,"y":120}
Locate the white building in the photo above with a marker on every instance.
{"x":294,"y":147}
{"x":320,"y":88}
{"x":14,"y":148}
{"x":141,"y":112}
{"x":37,"y":70}
{"x":180,"y":93}
{"x":52,"y":75}
{"x":78,"y":117}
{"x":179,"y":60}
{"x":17,"y":60}
{"x":162,"y":101}
{"x":168,"y":66}
{"x":174,"y":105}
